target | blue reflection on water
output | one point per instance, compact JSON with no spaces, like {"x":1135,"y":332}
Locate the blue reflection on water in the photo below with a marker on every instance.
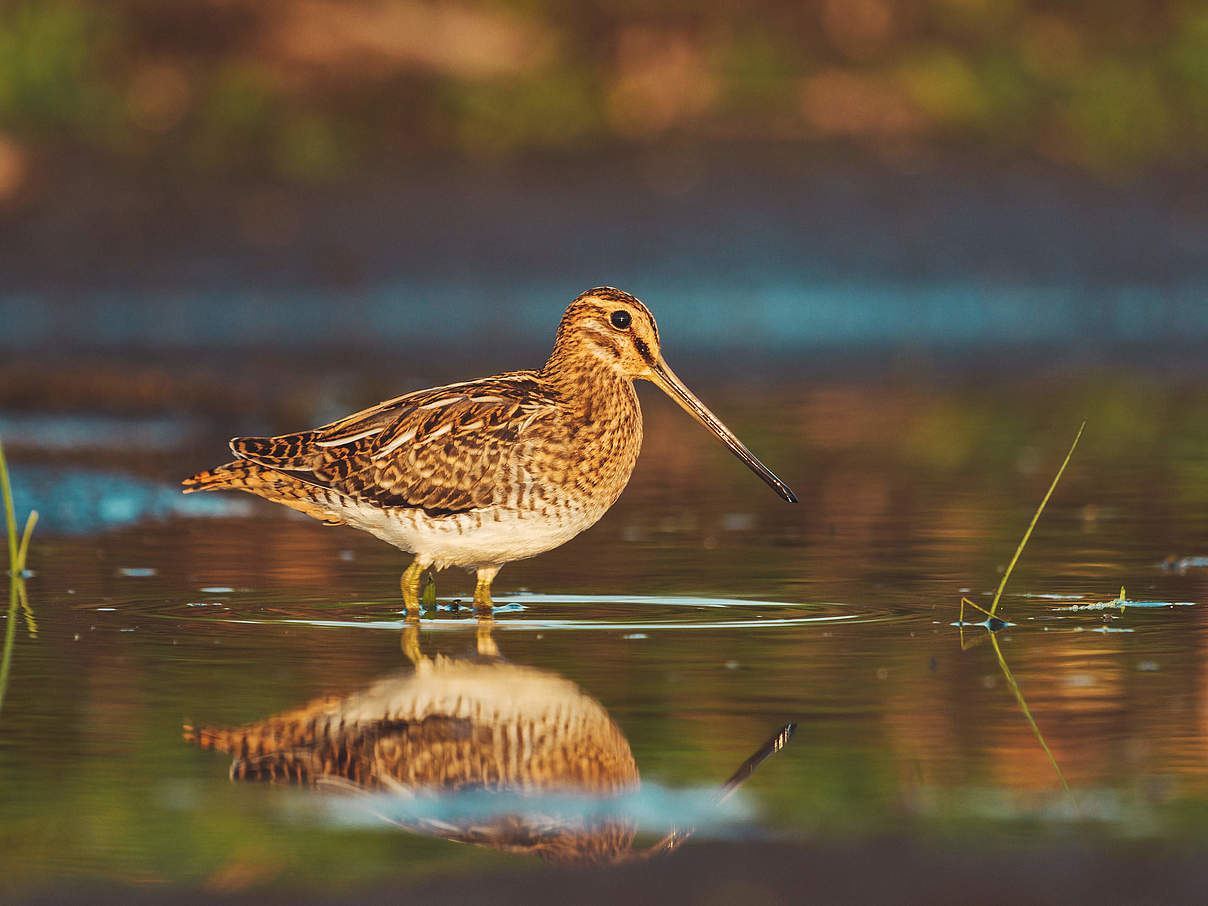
{"x":652,"y":807}
{"x":84,"y":501}
{"x":768,"y":311}
{"x":92,"y":431}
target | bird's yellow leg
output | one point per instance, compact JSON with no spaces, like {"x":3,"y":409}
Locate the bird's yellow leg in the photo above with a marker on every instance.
{"x":410,"y":586}
{"x":482,"y":590}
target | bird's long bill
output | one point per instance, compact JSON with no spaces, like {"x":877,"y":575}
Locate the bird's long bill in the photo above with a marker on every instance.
{"x":665,"y":379}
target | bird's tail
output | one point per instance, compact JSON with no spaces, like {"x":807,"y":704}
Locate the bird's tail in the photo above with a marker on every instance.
{"x":270,"y":484}
{"x":234,"y":476}
{"x":289,"y":747}
{"x":256,"y":757}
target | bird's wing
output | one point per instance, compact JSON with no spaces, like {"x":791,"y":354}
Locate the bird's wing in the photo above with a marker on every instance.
{"x":442,"y":450}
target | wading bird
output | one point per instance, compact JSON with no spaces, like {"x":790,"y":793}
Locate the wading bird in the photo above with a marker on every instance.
{"x":484,"y":472}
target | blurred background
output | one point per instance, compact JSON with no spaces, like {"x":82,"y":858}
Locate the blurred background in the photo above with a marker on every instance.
{"x":828,"y":174}
{"x":902,"y":247}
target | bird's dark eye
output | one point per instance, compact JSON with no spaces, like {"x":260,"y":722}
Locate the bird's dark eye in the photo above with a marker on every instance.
{"x":620,"y":319}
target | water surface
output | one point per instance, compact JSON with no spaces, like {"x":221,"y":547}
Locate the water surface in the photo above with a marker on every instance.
{"x":699,"y":617}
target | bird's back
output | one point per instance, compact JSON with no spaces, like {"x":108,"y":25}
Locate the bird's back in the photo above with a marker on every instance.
{"x":518,"y":441}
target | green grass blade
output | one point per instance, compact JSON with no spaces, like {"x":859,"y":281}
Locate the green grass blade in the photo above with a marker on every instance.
{"x":23,"y":550}
{"x":10,"y":519}
{"x":976,"y":607}
{"x":1040,"y":509}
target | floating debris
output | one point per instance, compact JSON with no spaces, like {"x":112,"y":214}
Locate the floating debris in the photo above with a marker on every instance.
{"x":1182,"y":564}
{"x":1123,"y":603}
{"x":138,"y":572}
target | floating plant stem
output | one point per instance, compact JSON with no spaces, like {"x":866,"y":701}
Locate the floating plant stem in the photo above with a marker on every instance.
{"x":1028,"y":534}
{"x":992,"y":622}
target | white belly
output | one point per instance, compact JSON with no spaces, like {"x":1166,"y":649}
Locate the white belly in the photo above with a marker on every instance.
{"x":490,"y":536}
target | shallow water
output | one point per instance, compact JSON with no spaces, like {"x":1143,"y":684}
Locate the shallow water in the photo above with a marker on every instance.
{"x":700,"y":617}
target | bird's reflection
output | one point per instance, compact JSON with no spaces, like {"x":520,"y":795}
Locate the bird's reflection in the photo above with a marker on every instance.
{"x":456,"y":726}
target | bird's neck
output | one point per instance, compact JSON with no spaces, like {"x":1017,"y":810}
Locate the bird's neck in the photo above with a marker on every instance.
{"x":573,"y":365}
{"x":588,"y":383}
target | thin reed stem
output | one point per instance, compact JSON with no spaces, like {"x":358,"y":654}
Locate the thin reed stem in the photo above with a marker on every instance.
{"x":1028,"y":534}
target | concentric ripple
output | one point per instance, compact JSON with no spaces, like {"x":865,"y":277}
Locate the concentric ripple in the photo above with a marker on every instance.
{"x":604,"y":612}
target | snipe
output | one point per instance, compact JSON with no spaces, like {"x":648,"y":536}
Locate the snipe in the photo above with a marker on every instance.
{"x":481,"y":473}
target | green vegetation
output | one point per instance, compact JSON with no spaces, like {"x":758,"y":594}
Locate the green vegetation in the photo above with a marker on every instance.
{"x":992,"y":623}
{"x":309,"y":90}
{"x":1026,"y":535}
{"x":17,"y":552}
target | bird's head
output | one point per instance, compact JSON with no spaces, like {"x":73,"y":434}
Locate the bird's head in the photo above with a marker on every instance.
{"x":612,"y":328}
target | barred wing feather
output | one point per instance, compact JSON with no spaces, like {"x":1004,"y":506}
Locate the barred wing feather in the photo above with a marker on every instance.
{"x":443,"y":450}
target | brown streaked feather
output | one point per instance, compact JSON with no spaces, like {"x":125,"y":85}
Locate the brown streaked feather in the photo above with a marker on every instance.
{"x":408,"y":728}
{"x":267,"y":483}
{"x":442,"y":450}
{"x":454,"y":725}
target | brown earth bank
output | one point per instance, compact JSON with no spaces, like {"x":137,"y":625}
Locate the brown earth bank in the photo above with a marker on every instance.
{"x":891,"y":870}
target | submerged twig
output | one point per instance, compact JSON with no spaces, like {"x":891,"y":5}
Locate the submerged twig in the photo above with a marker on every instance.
{"x":1023,"y":706}
{"x":1010,"y":678}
